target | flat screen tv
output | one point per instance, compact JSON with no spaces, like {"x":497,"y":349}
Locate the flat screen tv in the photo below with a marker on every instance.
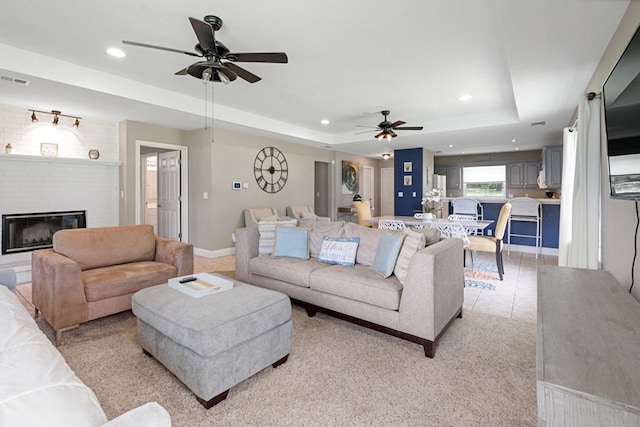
{"x":621,"y":95}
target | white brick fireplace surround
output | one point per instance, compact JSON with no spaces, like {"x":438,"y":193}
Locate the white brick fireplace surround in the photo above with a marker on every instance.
{"x":31,"y":182}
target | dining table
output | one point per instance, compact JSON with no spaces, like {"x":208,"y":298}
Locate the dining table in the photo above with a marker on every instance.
{"x":411,"y":221}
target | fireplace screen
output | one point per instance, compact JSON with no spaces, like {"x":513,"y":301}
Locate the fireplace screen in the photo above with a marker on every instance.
{"x":28,"y":232}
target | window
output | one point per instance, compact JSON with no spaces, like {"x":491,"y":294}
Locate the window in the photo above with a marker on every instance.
{"x":484,"y":181}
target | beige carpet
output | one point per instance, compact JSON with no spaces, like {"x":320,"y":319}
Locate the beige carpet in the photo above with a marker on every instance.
{"x":338,"y":374}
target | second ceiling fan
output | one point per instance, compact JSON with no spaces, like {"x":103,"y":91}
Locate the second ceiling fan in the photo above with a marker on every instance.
{"x":387,"y":128}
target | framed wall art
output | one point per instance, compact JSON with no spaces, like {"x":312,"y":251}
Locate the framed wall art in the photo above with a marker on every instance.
{"x":350,"y":177}
{"x":407,"y":180}
{"x":408,"y":166}
{"x":48,"y":149}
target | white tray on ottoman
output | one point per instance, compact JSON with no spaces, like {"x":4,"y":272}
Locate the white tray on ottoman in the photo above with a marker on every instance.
{"x":217,"y":341}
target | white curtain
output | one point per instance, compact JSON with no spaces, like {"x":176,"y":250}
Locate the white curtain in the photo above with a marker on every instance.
{"x":579,"y":240}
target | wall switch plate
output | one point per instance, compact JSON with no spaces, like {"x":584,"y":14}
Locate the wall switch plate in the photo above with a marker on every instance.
{"x":205,"y":195}
{"x":414,"y":194}
{"x":400,"y":194}
{"x":489,"y":232}
{"x":245,"y":185}
{"x":236,"y":185}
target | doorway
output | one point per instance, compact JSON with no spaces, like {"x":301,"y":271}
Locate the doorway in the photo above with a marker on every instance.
{"x":171,"y":189}
{"x":386,"y":191}
{"x":367,"y":186}
{"x":321,"y":189}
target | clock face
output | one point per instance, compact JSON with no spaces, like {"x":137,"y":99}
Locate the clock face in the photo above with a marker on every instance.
{"x":270,"y":169}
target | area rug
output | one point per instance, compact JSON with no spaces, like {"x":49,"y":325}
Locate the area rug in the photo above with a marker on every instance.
{"x":338,"y":374}
{"x":481,"y":276}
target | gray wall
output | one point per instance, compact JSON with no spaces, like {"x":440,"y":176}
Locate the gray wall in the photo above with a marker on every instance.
{"x":618,"y":216}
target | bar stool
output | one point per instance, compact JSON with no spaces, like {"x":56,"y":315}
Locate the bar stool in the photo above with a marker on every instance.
{"x":468,"y":206}
{"x":525,"y":209}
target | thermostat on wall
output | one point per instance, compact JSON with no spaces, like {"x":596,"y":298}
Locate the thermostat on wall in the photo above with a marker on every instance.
{"x":237,"y":185}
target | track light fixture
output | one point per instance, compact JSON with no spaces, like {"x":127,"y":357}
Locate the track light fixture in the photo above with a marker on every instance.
{"x":56,"y":117}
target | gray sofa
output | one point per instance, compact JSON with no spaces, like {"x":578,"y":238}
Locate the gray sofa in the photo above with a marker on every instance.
{"x":418,"y":310}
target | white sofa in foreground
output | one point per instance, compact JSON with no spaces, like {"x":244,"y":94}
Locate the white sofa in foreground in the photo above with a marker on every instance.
{"x":38,"y":388}
{"x":417,"y":302}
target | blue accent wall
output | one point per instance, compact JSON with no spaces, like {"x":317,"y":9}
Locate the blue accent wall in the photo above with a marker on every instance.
{"x":407,"y":204}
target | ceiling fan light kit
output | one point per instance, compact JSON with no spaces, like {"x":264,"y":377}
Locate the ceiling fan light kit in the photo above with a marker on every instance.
{"x":214,"y":53}
{"x":387,"y":128}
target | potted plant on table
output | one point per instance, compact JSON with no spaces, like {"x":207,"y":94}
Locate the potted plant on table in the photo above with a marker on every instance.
{"x":429,"y":203}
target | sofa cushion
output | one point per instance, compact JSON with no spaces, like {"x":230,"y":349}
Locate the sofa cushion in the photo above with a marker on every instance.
{"x":291,"y":270}
{"x":267,"y":231}
{"x":318,"y":230}
{"x":291,"y":242}
{"x":103,"y":246}
{"x":359,"y":283}
{"x":37,"y":386}
{"x":339,"y":250}
{"x":432,"y":235}
{"x":369,"y":238}
{"x":309,"y":215}
{"x":116,"y":280}
{"x":387,"y":253}
{"x":413,"y":242}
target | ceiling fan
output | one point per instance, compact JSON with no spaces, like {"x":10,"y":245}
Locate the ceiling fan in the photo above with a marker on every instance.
{"x":387,"y":128}
{"x":219,"y":63}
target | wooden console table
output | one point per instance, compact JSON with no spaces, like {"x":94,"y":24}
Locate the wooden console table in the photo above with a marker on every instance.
{"x":588,"y":350}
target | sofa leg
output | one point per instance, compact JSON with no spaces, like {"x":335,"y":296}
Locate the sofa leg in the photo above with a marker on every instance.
{"x":60,"y":331}
{"x":429,"y":348}
{"x":208,"y":404}
{"x":280,"y":361}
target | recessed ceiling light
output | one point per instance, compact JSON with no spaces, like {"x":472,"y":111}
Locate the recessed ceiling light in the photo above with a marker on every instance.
{"x":513,"y":140}
{"x":325,"y":121}
{"x":517,"y":148}
{"x":464,"y":97}
{"x":450,"y":145}
{"x":114,"y":51}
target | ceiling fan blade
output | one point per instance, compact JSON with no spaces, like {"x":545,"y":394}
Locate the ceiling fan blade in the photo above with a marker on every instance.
{"x":204,"y":33}
{"x":275,"y":57}
{"x":397,"y":123}
{"x":242,"y":73}
{"x":366,"y":131}
{"x":182,"y":72}
{"x":392,"y":133}
{"x":380,"y":135}
{"x":160,"y":48}
{"x":408,"y":128}
{"x":363,"y":126}
{"x":230,"y":74}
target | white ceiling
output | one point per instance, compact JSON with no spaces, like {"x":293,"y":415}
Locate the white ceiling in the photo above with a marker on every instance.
{"x":523,"y":61}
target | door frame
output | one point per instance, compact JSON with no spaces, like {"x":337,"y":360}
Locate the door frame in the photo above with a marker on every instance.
{"x":184,"y":183}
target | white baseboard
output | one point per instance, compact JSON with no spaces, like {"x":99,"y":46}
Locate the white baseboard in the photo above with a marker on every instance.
{"x":214,"y":254}
{"x":531,"y":250}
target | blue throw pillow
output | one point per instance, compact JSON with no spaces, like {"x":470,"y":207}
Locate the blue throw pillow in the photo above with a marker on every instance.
{"x":339,"y":250}
{"x":387,"y":253}
{"x":291,"y":242}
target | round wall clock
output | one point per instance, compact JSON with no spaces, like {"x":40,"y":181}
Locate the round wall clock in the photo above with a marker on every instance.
{"x":270,"y":169}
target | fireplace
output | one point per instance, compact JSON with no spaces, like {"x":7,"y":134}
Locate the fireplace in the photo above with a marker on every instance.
{"x":28,"y":232}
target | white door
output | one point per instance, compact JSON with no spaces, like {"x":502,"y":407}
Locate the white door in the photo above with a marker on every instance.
{"x":169,"y":195}
{"x":386,"y":192}
{"x":367,"y":185}
{"x":149,"y":187}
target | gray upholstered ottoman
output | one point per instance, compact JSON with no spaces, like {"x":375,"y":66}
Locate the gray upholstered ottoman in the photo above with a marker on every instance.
{"x":214,"y":342}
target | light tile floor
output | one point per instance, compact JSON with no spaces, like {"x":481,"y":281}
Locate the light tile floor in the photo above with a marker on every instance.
{"x":514,"y":297}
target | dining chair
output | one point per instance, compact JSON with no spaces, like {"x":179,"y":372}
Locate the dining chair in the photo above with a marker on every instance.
{"x":451,"y":231}
{"x":391,"y":224}
{"x":494,"y":243}
{"x":470,"y":230}
{"x":363,"y":210}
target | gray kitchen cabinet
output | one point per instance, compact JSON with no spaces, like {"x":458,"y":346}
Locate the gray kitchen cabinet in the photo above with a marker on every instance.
{"x":552,"y":165}
{"x":523,"y":174}
{"x":454,"y":177}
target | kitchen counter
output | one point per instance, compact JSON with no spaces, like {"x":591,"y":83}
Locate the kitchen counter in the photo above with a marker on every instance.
{"x":544,"y":201}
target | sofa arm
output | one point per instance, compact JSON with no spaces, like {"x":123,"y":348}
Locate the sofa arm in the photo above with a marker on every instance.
{"x":434,"y":290}
{"x":247,"y":240}
{"x":150,"y":414}
{"x":57,"y":289}
{"x":178,"y":254}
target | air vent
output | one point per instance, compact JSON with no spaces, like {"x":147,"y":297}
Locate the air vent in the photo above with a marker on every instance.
{"x":483,"y":158}
{"x":14,"y":80}
{"x":536,"y":124}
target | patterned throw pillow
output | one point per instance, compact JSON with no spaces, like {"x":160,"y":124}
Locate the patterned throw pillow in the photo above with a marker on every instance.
{"x":413,"y":242}
{"x":308,"y":215}
{"x":291,"y":242}
{"x":339,"y":250}
{"x":387,"y":253}
{"x":267,"y":231}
